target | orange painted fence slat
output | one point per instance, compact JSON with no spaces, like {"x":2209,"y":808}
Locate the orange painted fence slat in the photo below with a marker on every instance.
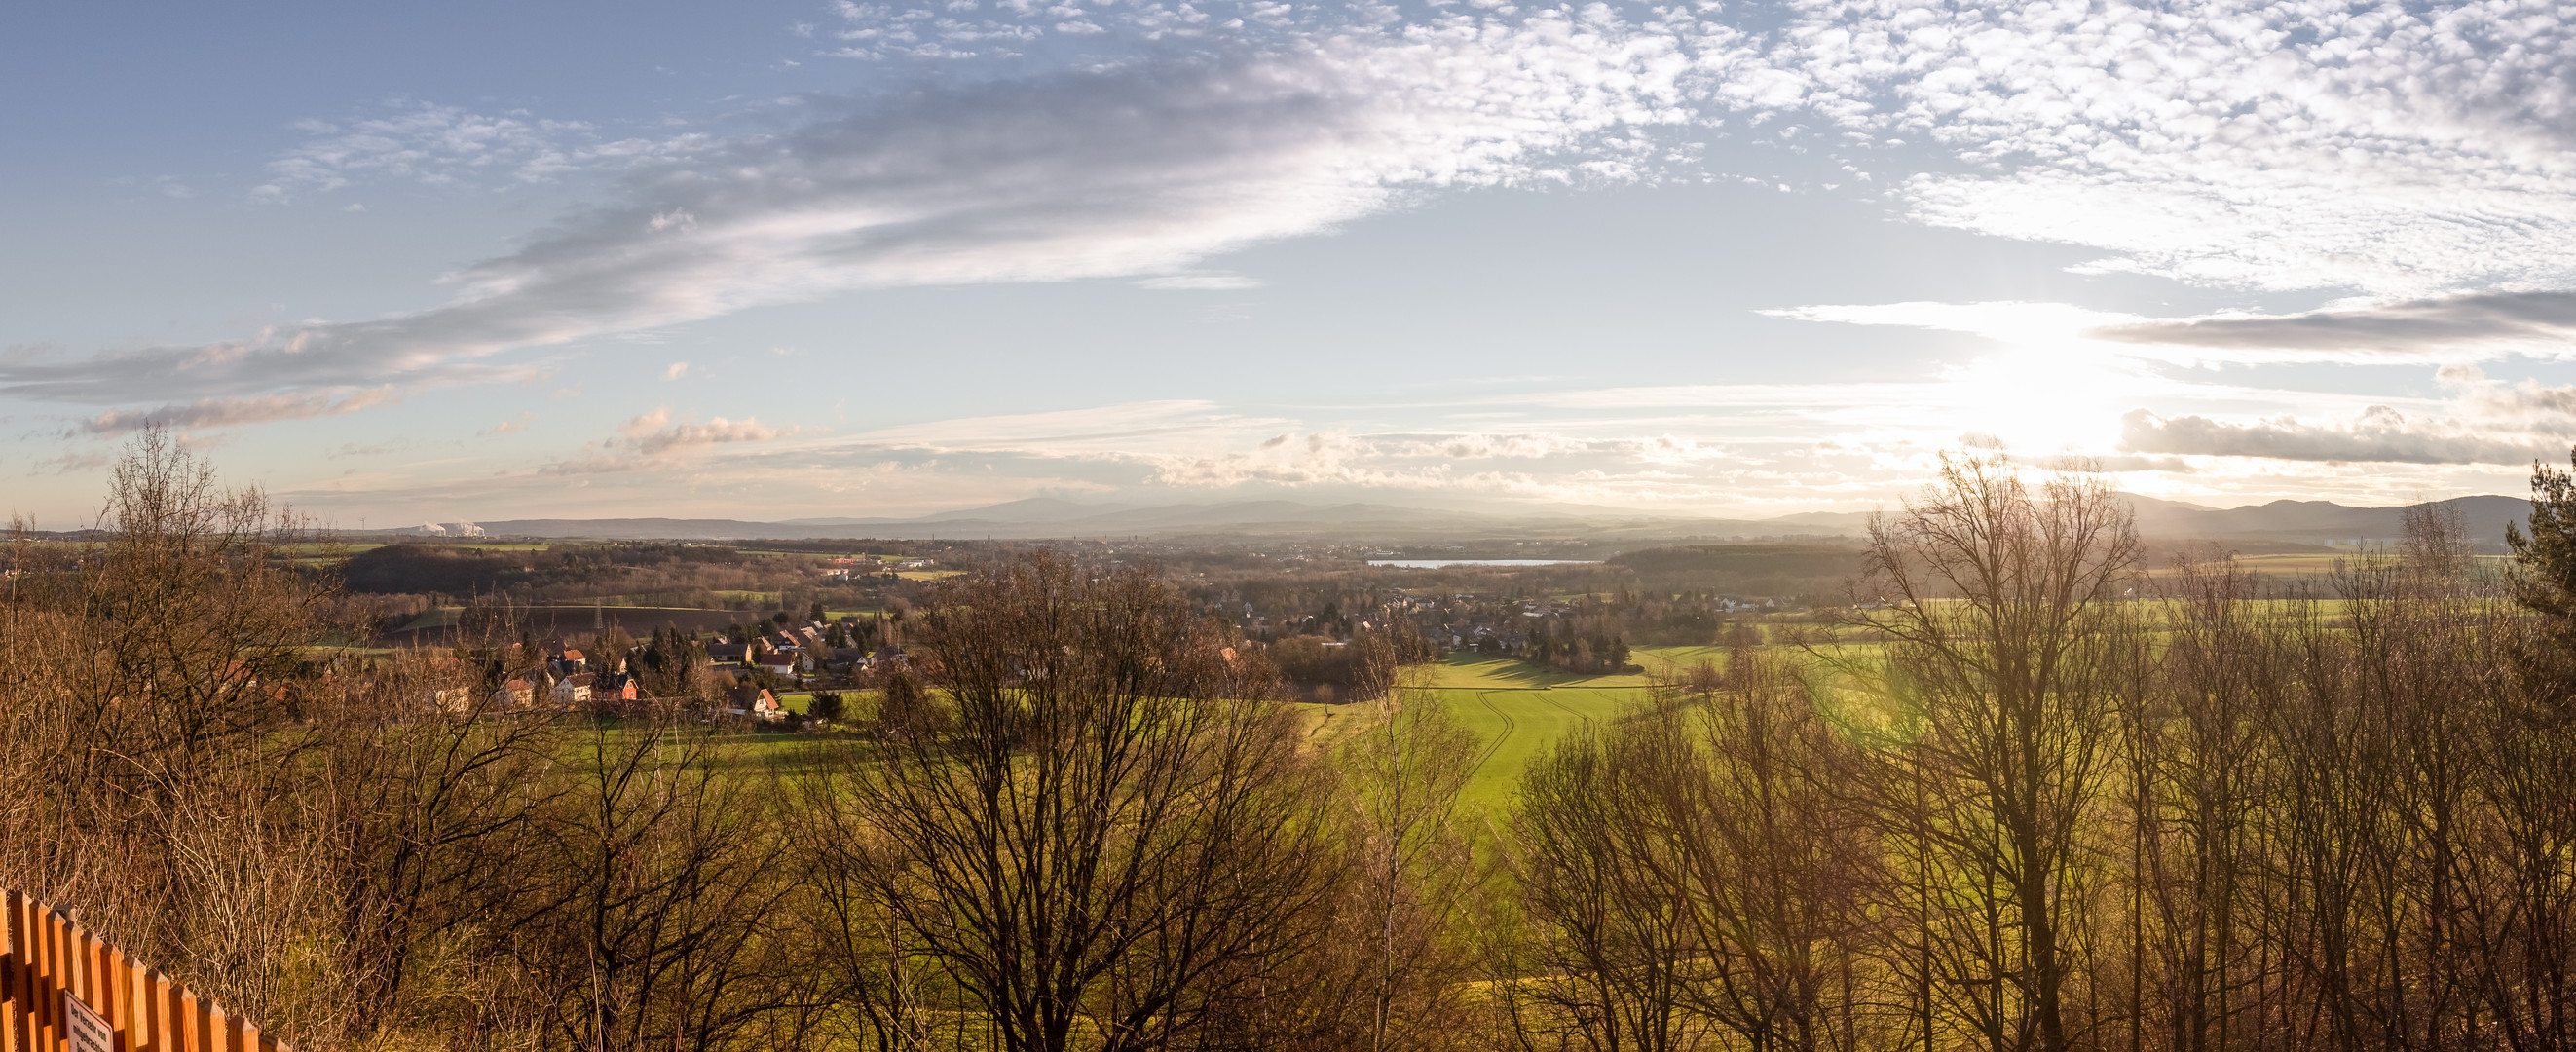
{"x":47,"y":955}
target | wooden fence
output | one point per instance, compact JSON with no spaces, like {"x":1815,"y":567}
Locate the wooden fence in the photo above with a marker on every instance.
{"x":123,"y":1006}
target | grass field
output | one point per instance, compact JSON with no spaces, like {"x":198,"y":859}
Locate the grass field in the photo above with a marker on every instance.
{"x":1466,"y":668}
{"x":2318,"y":564}
{"x":1519,"y":724}
{"x":313,"y":556}
{"x":1669,"y":661}
{"x":1519,"y":709}
{"x":1516,"y":709}
{"x":856,"y":704}
{"x":434,"y":617}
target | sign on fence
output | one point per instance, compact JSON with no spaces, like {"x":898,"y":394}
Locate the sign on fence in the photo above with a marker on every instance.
{"x":87,"y":1032}
{"x":64,"y":989}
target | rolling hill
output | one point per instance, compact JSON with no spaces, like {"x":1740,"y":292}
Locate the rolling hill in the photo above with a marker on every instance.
{"x":2292,"y":522}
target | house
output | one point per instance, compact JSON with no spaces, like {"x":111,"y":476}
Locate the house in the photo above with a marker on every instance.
{"x":729,"y":653}
{"x":608,"y":687}
{"x":570,"y":661}
{"x":775,"y":660}
{"x":573,"y":690}
{"x":514,"y":694}
{"x":754,"y":701}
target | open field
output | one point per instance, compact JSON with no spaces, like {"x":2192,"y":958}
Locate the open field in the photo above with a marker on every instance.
{"x":1516,"y":708}
{"x":430,"y":627}
{"x":1513,"y":725}
{"x":1519,"y":709}
{"x":856,"y":704}
{"x":1671,"y":661}
{"x":1519,"y":724}
{"x":313,"y":556}
{"x":2318,"y":564}
{"x":1467,"y":668}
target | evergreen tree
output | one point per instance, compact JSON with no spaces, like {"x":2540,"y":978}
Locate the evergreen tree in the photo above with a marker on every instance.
{"x":2545,"y":558}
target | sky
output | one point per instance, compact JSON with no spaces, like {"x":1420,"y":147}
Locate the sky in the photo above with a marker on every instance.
{"x":781,"y":259}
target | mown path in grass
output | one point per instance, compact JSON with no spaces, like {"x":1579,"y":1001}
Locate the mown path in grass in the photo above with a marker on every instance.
{"x":1517,"y":725}
{"x":1517,"y":709}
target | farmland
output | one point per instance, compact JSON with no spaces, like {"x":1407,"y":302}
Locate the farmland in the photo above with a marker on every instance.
{"x":1520,"y":723}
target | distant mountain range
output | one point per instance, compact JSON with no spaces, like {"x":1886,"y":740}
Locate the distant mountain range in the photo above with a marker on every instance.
{"x":2318,"y":521}
{"x":1034,"y":518}
{"x":2285,"y":521}
{"x":2296,"y":522}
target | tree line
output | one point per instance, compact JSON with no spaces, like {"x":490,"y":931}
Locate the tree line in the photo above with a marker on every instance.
{"x":2046,"y":814}
{"x":2060,"y":803}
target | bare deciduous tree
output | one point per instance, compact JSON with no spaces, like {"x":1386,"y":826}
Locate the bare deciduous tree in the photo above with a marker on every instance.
{"x":1416,"y":869}
{"x":1999,"y":601}
{"x":1093,"y":822}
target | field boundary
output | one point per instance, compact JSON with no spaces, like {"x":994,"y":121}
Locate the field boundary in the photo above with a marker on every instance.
{"x":50,"y":959}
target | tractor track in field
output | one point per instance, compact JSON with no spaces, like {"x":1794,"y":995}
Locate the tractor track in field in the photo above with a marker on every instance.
{"x":1510,"y":726}
{"x":1563,"y":707}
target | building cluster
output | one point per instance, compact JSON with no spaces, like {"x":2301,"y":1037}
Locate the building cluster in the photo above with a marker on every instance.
{"x":803,"y":652}
{"x":563,"y":678}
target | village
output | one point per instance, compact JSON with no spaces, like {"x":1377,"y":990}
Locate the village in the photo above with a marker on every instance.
{"x":754,"y":679}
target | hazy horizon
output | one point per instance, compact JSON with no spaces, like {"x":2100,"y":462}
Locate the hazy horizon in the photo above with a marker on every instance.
{"x":803,"y":260}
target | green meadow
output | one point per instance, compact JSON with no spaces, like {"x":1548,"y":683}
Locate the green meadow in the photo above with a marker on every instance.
{"x":1519,"y":709}
{"x":1517,"y":725}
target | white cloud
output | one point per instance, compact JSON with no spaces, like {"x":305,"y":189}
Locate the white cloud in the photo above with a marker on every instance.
{"x":2013,"y":322}
{"x":2287,"y":144}
{"x":2442,"y":329}
{"x":654,"y":440}
{"x":662,"y":437}
{"x":2378,"y":434}
{"x":2410,"y":154}
{"x":226,"y":412}
{"x":1197,"y":447}
{"x":1074,"y":432}
{"x":445,"y":146}
{"x":2490,"y":325}
{"x":508,"y":427}
{"x":1127,"y":170}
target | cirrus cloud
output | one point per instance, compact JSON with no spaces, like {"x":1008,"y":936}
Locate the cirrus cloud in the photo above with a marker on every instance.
{"x":2272,"y":144}
{"x":2379,"y":434}
{"x":1134,"y":169}
{"x":225,"y":412}
{"x":2542,"y":324}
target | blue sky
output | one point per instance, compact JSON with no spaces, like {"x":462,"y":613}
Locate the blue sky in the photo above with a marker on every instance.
{"x":785,"y":260}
